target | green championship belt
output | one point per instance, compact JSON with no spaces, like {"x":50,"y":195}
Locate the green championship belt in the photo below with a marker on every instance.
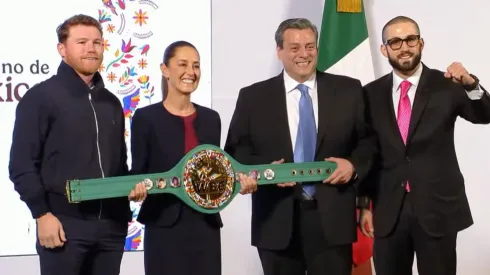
{"x":206,"y":179}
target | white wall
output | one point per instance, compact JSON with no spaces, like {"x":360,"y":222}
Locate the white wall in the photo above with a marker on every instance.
{"x":243,"y":52}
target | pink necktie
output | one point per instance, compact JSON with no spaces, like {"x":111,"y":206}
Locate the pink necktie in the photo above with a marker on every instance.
{"x":404,"y":113}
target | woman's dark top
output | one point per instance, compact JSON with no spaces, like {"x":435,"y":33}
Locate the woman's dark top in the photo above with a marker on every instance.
{"x":159,"y":140}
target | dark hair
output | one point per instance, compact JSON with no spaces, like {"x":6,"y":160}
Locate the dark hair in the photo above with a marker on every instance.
{"x":169,"y":54}
{"x":396,"y":20}
{"x":296,"y":24}
{"x":63,"y":30}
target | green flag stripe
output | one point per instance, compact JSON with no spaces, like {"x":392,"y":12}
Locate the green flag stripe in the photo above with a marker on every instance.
{"x":340,"y":34}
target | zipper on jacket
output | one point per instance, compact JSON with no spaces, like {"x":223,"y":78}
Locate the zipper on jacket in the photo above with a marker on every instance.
{"x":98,"y":146}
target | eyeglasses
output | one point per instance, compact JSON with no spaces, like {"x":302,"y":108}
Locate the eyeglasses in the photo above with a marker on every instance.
{"x":396,"y":43}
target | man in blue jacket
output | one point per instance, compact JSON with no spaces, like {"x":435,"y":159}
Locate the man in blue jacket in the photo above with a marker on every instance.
{"x":70,"y":127}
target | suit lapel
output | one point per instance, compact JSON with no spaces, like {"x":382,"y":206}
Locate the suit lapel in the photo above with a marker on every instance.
{"x":422,"y":96}
{"x":278,"y":105}
{"x":326,"y":106}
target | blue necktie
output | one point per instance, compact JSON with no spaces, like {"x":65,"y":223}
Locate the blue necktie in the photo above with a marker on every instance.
{"x":304,"y":150}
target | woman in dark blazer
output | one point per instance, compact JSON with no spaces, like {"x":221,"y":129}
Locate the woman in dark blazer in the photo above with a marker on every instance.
{"x":178,"y":240}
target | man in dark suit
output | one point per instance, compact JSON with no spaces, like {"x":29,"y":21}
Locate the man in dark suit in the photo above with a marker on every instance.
{"x":303,"y":115}
{"x":418,"y":191}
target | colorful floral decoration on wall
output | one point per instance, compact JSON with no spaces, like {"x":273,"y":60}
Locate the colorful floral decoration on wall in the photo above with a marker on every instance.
{"x":127,"y":34}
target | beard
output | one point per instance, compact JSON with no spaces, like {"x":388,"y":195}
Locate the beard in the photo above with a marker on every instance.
{"x":84,"y":67}
{"x":405,"y":66}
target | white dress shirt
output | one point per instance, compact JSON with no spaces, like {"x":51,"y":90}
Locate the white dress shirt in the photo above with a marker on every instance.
{"x":292,"y":102}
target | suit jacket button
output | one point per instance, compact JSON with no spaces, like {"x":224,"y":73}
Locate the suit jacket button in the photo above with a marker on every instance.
{"x":407,"y":159}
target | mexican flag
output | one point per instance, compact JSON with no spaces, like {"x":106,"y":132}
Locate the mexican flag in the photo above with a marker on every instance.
{"x":344,"y":49}
{"x":344,"y":41}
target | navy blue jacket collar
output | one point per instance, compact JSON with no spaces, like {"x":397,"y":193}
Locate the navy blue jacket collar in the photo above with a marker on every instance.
{"x":74,"y":83}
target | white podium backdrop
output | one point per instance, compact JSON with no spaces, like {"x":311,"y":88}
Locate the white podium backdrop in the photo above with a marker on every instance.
{"x":136,"y":33}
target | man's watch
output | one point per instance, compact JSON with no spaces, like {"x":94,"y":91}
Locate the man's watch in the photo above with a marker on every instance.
{"x":474,"y":85}
{"x":363,"y":202}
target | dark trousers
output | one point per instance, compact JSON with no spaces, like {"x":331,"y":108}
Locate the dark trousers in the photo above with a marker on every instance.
{"x":191,"y":246}
{"x":93,"y":247}
{"x":308,"y":250}
{"x":394,"y":254}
